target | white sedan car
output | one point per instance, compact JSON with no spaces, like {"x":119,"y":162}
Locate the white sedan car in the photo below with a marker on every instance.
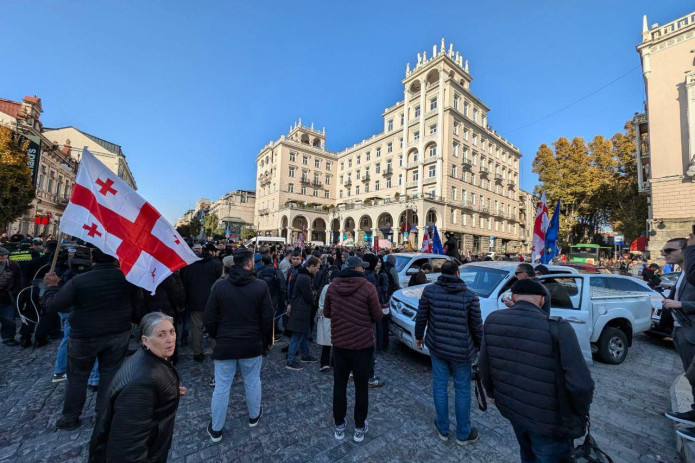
{"x":409,"y":263}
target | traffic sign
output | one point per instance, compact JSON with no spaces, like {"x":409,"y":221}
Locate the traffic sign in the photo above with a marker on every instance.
{"x":619,"y":239}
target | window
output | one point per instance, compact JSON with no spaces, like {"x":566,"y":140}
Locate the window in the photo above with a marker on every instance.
{"x":566,"y":292}
{"x":456,"y":128}
{"x":453,"y":216}
{"x":416,"y":135}
{"x":389,"y":147}
{"x":327,"y":194}
{"x":376,"y":185}
{"x":316,"y":177}
{"x":357,"y":159}
{"x":378,"y":152}
{"x":357,"y":175}
{"x":389,"y":125}
{"x":475,"y":139}
{"x":400,"y":179}
{"x":465,"y":134}
{"x":400,"y":161}
{"x":388,"y":165}
{"x":305,"y":160}
{"x":328,"y":179}
{"x":292,"y":170}
{"x":340,"y":193}
{"x":388,"y":182}
{"x":402,"y":119}
{"x":293,"y":156}
{"x":456,"y":149}
{"x":342,"y":166}
{"x":400,"y":142}
{"x":433,"y":104}
{"x":329,"y":165}
{"x":433,"y":150}
{"x":303,"y":190}
{"x":290,"y":187}
{"x":357,"y":189}
{"x":316,"y":193}
{"x":464,"y":218}
{"x":415,"y":156}
{"x":466,"y":107}
{"x":366,"y":188}
{"x":430,"y":192}
{"x":475,"y":114}
{"x":349,"y":163}
{"x":454,"y":172}
{"x":367,"y":156}
{"x":417,"y":111}
{"x":377,"y":168}
{"x":456,"y":102}
{"x":433,"y":129}
{"x":473,"y":199}
{"x":415,"y":175}
{"x":464,"y":195}
{"x":432,"y":171}
{"x":453,"y":193}
{"x":341,"y":179}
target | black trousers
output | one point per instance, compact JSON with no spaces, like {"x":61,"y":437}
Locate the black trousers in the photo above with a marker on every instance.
{"x":326,"y":357}
{"x":110,"y":350}
{"x":357,"y":361}
{"x":686,"y":351}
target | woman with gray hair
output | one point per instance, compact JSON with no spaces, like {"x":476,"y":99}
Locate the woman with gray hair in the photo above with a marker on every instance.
{"x":137,"y":421}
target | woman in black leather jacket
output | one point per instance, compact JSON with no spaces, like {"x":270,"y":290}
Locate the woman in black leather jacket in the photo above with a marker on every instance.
{"x":137,"y":421}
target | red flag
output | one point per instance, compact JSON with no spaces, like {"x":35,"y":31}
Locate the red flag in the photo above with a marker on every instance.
{"x":105,"y":211}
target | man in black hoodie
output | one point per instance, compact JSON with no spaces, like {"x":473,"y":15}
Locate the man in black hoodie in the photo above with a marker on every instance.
{"x":239,"y":317}
{"x":197,"y":279}
{"x":532,"y":367}
{"x":451,"y":313}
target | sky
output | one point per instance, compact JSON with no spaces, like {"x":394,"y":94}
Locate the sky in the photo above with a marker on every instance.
{"x":193,"y":90}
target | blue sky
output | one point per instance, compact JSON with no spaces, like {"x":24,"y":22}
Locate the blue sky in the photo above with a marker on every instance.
{"x":192,"y":93}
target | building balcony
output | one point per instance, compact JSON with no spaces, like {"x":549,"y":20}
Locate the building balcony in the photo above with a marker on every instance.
{"x":498,"y":178}
{"x":511,"y":183}
{"x":484,"y":209}
{"x":466,"y":163}
{"x":347,"y":184}
{"x":365,"y":179}
{"x":305,"y":181}
{"x":429,"y":180}
{"x":411,"y":184}
{"x":264,"y":211}
{"x":412,"y":165}
{"x":484,"y":171}
{"x":467,"y":205}
{"x":317,"y":184}
{"x":387,"y":172}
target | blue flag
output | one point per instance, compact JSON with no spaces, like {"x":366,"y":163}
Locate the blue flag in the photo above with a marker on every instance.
{"x":551,"y":250}
{"x":437,"y":247}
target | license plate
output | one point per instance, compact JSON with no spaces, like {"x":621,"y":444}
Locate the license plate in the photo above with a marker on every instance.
{"x":397,"y":330}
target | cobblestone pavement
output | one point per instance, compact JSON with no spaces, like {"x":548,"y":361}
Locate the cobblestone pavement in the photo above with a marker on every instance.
{"x":627,"y":418}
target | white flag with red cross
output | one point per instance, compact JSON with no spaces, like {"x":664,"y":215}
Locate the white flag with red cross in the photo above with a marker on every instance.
{"x":106,"y":212}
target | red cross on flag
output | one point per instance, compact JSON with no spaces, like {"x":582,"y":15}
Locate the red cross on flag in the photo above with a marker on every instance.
{"x":106,"y":212}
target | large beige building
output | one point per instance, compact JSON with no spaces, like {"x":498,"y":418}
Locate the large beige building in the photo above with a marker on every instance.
{"x":436,"y":162}
{"x":235,"y":211}
{"x":666,"y":132}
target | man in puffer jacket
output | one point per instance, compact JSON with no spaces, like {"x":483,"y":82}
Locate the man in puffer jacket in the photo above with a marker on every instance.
{"x":352,"y":305}
{"x":451,"y":313}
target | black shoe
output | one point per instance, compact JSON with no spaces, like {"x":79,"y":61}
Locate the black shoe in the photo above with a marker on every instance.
{"x":200,"y":358}
{"x":309,"y":359}
{"x":253,"y":422}
{"x":687,"y":433}
{"x":294,"y":365}
{"x":683,"y":417}
{"x":441,"y":435}
{"x":58,"y":377}
{"x":285,"y":349}
{"x":472,"y":438}
{"x":10,"y":342}
{"x":215,"y":436}
{"x":25,"y":342}
{"x":67,"y":424}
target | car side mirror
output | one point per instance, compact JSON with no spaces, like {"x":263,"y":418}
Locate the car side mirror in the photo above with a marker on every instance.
{"x":411,"y":271}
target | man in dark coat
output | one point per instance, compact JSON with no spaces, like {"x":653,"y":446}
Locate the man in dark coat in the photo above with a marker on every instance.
{"x":197,"y":279}
{"x":10,"y":286}
{"x":102,"y":305}
{"x":451,"y":313}
{"x":276,"y":284}
{"x":299,"y":323}
{"x":239,"y":316}
{"x":352,"y":305}
{"x":532,"y":367}
{"x":420,"y":278}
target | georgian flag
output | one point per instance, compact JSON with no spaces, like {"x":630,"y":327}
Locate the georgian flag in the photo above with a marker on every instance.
{"x":426,"y":243}
{"x":539,"y":228}
{"x":104,"y":211}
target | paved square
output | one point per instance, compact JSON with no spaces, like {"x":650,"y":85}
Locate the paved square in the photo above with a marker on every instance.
{"x":627,"y":413}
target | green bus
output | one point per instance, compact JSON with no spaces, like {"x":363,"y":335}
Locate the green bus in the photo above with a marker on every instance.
{"x":589,"y":253}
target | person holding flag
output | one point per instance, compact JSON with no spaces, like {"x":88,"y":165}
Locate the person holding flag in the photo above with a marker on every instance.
{"x":426,"y":243}
{"x":550,"y":249}
{"x":105,"y":212}
{"x":539,"y":228}
{"x":437,"y":246}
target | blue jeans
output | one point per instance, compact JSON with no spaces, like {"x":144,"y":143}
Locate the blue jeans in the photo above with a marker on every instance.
{"x":298,"y":340}
{"x":441,"y":371}
{"x":9,"y":326}
{"x":61,"y":365}
{"x":538,"y":449}
{"x":224,"y":375}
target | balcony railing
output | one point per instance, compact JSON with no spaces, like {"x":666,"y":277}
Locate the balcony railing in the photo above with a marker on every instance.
{"x":317,"y":184}
{"x":498,"y":178}
{"x":411,"y":184}
{"x":365,"y":179}
{"x":264,"y":211}
{"x":467,"y":164}
{"x":484,"y":171}
{"x":511,"y":183}
{"x":412,"y":165}
{"x":348,"y":184}
{"x":429,"y":180}
{"x":387,"y":172}
{"x":305,"y":181}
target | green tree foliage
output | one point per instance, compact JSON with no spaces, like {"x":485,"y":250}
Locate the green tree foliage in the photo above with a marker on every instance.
{"x":16,"y":190}
{"x":211,"y":224}
{"x":597,"y":184}
{"x":195,"y":227}
{"x":247,"y":233}
{"x":184,"y":230}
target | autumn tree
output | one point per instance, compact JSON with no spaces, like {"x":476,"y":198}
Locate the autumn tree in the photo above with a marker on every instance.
{"x":16,"y":189}
{"x":211,"y":224}
{"x":597,"y":184}
{"x":184,"y":230}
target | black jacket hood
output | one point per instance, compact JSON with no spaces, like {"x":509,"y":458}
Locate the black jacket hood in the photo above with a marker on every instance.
{"x":239,"y":276}
{"x":451,"y":283}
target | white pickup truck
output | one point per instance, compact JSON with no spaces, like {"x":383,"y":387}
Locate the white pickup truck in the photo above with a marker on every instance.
{"x":605,"y":320}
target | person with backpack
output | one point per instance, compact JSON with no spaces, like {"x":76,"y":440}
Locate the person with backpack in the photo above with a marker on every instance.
{"x":276,"y":285}
{"x":532,"y":368}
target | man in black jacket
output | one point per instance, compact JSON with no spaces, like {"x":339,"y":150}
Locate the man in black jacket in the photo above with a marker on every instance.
{"x":276,"y":284}
{"x":10,"y":285}
{"x":239,"y":316}
{"x":300,"y":312}
{"x":451,"y":313}
{"x":197,"y":279}
{"x":102,"y":305}
{"x":533,"y":369}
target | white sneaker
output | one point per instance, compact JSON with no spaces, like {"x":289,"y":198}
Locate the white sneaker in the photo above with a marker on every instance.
{"x":360,"y":432}
{"x":339,"y":432}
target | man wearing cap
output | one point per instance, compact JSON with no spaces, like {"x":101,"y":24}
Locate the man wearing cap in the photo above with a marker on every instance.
{"x":352,"y":305}
{"x":522,"y":353}
{"x":526,"y":271}
{"x":198,"y":279}
{"x":10,"y":285}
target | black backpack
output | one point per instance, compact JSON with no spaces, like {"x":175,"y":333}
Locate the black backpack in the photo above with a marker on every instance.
{"x":269,"y":277}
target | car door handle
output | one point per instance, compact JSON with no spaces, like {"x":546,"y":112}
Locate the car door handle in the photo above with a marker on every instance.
{"x":575,"y":320}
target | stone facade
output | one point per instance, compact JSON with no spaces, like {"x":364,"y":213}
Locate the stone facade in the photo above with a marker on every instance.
{"x":235,"y":211}
{"x":437,"y":162}
{"x":666,"y":133}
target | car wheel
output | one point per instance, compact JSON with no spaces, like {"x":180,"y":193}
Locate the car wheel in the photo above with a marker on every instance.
{"x":612,"y":346}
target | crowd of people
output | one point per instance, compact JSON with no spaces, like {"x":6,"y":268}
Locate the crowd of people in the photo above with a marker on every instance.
{"x":246,"y":300}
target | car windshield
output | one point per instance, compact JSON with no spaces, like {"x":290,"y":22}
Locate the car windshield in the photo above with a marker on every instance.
{"x":482,"y":280}
{"x":402,"y":261}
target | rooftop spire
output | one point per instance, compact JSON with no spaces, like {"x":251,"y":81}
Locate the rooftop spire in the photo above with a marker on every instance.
{"x":645,"y":26}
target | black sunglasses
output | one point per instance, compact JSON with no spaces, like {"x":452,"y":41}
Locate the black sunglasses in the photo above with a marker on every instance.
{"x":516,"y":273}
{"x":669,"y":250}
